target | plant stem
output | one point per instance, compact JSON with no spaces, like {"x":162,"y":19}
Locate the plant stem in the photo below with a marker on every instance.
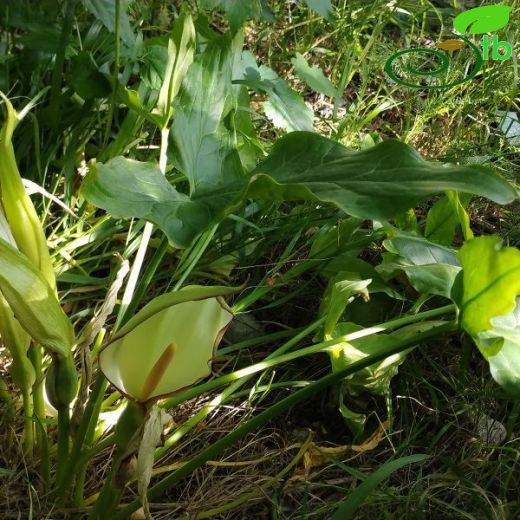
{"x":28,"y":424}
{"x":110,"y":494}
{"x":278,"y":408}
{"x":228,"y":392}
{"x":66,"y":476}
{"x":63,"y":439}
{"x":128,"y":296}
{"x":313,"y":349}
{"x":35,"y":354}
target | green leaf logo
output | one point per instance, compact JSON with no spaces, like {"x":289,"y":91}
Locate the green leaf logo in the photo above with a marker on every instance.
{"x":488,"y":18}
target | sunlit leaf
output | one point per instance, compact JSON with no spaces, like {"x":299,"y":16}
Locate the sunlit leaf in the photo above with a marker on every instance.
{"x":501,"y":347}
{"x":181,"y":49}
{"x":313,"y":76}
{"x":445,"y":216}
{"x":490,"y":282}
{"x":284,"y":107}
{"x":490,"y":307}
{"x":202,"y":147}
{"x":128,"y":188}
{"x":378,"y":183}
{"x":430,"y":268}
{"x":33,"y":302}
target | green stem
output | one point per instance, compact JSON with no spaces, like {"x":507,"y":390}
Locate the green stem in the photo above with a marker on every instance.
{"x":277,"y":409}
{"x":110,"y":493}
{"x":81,"y":467}
{"x":220,"y":399}
{"x":129,"y":294}
{"x":96,"y":397}
{"x":63,"y":439}
{"x":36,"y":356}
{"x":272,"y":361}
{"x":86,"y":430}
{"x":28,"y":424}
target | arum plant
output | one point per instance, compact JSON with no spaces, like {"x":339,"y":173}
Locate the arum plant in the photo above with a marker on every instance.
{"x":21,"y":228}
{"x":167,"y":346}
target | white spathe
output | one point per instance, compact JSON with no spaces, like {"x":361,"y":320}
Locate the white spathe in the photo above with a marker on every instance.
{"x":170,"y":350}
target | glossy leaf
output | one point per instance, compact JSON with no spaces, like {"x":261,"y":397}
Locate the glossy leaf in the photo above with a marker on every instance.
{"x":490,"y":282}
{"x":168,"y":345}
{"x":340,"y":290}
{"x":501,"y":347}
{"x":490,"y":307}
{"x":33,"y":301}
{"x":313,"y":76}
{"x":128,"y":188}
{"x":484,"y":19}
{"x":430,"y":268}
{"x":378,"y":183}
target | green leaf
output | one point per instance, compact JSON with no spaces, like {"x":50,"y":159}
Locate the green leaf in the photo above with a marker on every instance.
{"x":154,"y":59}
{"x":33,"y":302}
{"x":237,"y":12}
{"x":420,"y":251}
{"x":348,"y":508}
{"x":313,"y":76}
{"x":374,"y":379}
{"x":127,"y":188}
{"x":377,"y":183}
{"x":181,"y":48}
{"x":105,"y":12}
{"x":322,"y":7}
{"x":86,"y":79}
{"x":341,"y":288}
{"x":168,"y":345}
{"x":490,"y":307}
{"x":501,"y":347}
{"x":485,"y":19}
{"x":445,"y":216}
{"x":490,"y":282}
{"x":285,"y":108}
{"x":202,"y":147}
{"x":131,"y":99}
{"x":430,"y":268}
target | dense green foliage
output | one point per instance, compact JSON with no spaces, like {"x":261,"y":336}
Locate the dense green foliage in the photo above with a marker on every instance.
{"x":186,"y":188}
